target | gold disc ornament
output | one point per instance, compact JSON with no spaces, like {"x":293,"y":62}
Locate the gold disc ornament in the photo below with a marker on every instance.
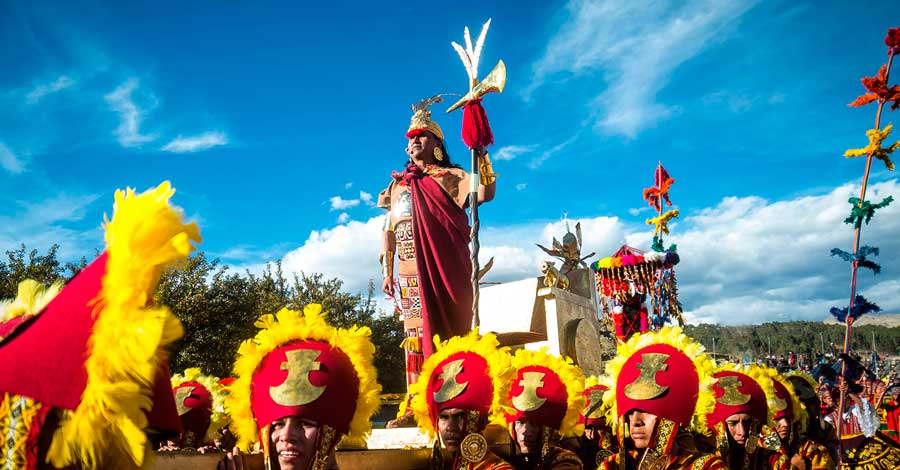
{"x":602,"y":455}
{"x":473,"y":447}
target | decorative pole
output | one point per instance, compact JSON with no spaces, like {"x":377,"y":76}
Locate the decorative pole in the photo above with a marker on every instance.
{"x":657,"y":197}
{"x":476,"y":133}
{"x":878,"y":90}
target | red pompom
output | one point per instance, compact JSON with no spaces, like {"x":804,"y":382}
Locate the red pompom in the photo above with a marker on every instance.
{"x":476,"y":130}
{"x":892,"y":39}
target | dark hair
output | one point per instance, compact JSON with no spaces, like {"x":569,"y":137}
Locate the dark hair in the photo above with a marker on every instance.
{"x":446,"y":162}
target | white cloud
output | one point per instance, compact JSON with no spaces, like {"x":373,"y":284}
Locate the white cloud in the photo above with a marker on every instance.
{"x":348,"y":252}
{"x":343,"y":218}
{"x":9,"y":161}
{"x":348,"y":185}
{"x":517,"y":257}
{"x":40,"y":91}
{"x":510,"y":152}
{"x":130,"y":115}
{"x":196,"y":143}
{"x":521,"y":186}
{"x":338,"y":203}
{"x":636,"y":46}
{"x":749,"y":260}
{"x":539,"y":160}
{"x":738,"y":101}
{"x":744,"y":260}
{"x":366,"y":198}
{"x":635,"y":211}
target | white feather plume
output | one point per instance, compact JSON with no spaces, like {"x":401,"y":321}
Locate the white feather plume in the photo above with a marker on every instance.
{"x":468,"y":39}
{"x":476,"y":55}
{"x":464,"y":57}
{"x":469,"y":56}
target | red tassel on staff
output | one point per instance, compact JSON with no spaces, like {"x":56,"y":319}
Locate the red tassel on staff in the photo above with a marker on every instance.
{"x":476,"y":130}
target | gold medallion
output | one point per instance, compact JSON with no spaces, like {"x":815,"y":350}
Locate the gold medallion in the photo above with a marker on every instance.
{"x":602,"y":455}
{"x":473,"y":447}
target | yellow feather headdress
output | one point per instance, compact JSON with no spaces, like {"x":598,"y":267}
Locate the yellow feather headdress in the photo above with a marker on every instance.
{"x":289,"y":326}
{"x":219,"y":417}
{"x":145,"y":236}
{"x":675,"y":337}
{"x":31,"y":298}
{"x":799,"y":410}
{"x":487,"y":346}
{"x":571,"y":377}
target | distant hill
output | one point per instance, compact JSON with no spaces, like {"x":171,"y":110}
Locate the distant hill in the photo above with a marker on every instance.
{"x":806,"y":337}
{"x":889,"y":320}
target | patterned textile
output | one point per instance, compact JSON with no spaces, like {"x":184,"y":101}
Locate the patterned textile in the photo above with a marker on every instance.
{"x":21,"y":419}
{"x":410,"y":301}
{"x":875,"y":453}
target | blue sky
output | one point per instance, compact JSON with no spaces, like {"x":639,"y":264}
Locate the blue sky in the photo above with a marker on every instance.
{"x":279,"y":122}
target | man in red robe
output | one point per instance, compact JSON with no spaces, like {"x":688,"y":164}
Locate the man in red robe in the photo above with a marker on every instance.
{"x":428,"y":230}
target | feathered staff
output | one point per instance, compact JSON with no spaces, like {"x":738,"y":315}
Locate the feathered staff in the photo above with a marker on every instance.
{"x":877,"y":90}
{"x":655,"y":195}
{"x":476,"y":133}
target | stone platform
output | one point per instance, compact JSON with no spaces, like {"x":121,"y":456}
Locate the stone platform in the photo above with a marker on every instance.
{"x":564,"y":321}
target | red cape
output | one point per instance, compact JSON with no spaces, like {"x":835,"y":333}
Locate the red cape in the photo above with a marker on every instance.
{"x":444,"y":267}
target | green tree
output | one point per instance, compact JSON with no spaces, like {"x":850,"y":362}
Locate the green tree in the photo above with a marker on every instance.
{"x":21,"y":264}
{"x":218,"y":309}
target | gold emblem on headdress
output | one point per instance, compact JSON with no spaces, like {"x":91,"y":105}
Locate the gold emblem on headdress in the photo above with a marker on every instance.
{"x":779,"y":404}
{"x":732,"y":396}
{"x":421,"y":118}
{"x":450,"y":389}
{"x":182,"y":394}
{"x":592,"y":406}
{"x":528,"y":399}
{"x":645,"y":386}
{"x":297,"y":390}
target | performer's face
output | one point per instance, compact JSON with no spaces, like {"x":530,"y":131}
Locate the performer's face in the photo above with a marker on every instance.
{"x":452,"y":427}
{"x":738,"y":426}
{"x":826,"y":399}
{"x":294,"y":441}
{"x":641,"y":425}
{"x":528,"y":436}
{"x":421,"y":146}
{"x":783,"y":428}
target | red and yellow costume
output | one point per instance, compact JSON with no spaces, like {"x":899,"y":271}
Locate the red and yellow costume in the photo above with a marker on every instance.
{"x":200,"y":402}
{"x":666,"y":374}
{"x":784,"y":403}
{"x":89,"y":369}
{"x":548,"y":391}
{"x":813,"y":428}
{"x":430,"y":229}
{"x":471,"y":373}
{"x":298,"y":365}
{"x":31,"y":298}
{"x":597,"y":443}
{"x":740,"y":390}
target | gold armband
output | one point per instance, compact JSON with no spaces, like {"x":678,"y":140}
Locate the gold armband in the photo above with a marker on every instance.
{"x":486,"y":170}
{"x":387,"y":264}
